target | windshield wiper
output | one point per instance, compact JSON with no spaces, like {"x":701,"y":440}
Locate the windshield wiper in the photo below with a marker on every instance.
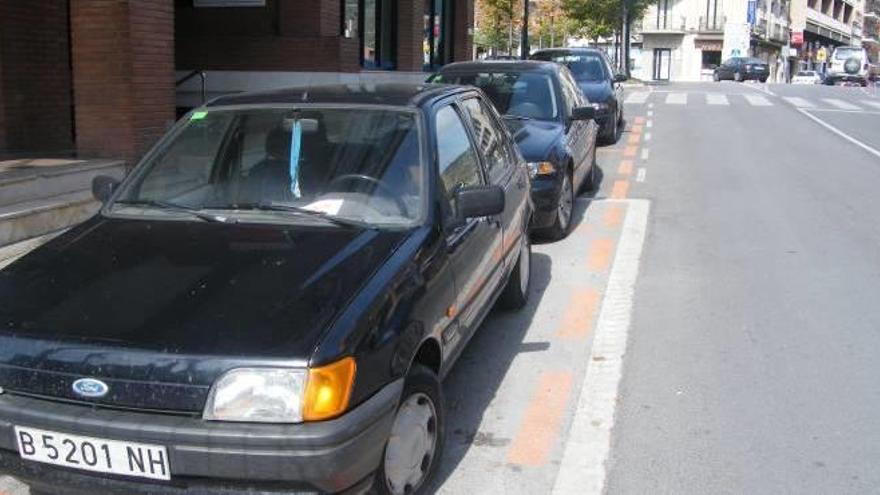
{"x":273,"y":206}
{"x":166,"y":205}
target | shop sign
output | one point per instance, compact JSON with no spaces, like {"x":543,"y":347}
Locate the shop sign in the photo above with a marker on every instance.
{"x":797,"y":38}
{"x":708,"y":45}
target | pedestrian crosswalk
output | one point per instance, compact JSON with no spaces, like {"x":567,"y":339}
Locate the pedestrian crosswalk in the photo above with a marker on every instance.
{"x":860,"y":103}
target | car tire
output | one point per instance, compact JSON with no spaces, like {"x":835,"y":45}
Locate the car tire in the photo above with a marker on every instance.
{"x":564,"y":211}
{"x":716,"y":77}
{"x":613,"y":134}
{"x":737,"y":76}
{"x":516,"y":292}
{"x":421,"y":411}
{"x":763,"y":79}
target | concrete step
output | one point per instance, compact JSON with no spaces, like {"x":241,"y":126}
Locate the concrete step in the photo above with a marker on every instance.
{"x":30,"y":180}
{"x":35,"y":218}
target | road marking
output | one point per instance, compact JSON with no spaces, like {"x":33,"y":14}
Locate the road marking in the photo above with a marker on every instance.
{"x":798,"y":102}
{"x":582,"y":469}
{"x":638,"y":97}
{"x":716,"y":99}
{"x":650,"y":105}
{"x":625,"y":168}
{"x":840,"y":133}
{"x":758,"y":101}
{"x":634,"y":138}
{"x":647,"y":136}
{"x":646,"y":153}
{"x":620,"y":189}
{"x":649,"y":124}
{"x":577,"y":322}
{"x":676,"y":99}
{"x":630,"y":151}
{"x":613,"y":216}
{"x":599,"y":258}
{"x":875,"y":104}
{"x":640,"y":177}
{"x":639,"y":120}
{"x":543,"y":418}
{"x":840,"y":104}
{"x":637,"y":128}
{"x":650,"y":113}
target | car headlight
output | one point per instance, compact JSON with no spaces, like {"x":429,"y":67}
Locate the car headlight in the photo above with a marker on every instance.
{"x":541,"y":168}
{"x":281,"y":395}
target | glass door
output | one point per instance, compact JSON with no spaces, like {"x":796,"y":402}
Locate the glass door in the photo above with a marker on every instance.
{"x":662,"y":58}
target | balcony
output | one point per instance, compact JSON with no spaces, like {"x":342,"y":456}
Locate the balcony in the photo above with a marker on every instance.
{"x":711,"y":25}
{"x":673,"y":25}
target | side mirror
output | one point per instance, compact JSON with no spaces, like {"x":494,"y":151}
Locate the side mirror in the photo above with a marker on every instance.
{"x":479,"y":201}
{"x":583,"y":113}
{"x":620,"y":78}
{"x":103,"y":187}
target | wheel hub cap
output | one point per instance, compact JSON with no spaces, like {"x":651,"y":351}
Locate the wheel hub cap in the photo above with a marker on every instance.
{"x":565,"y":202}
{"x":410,"y":450}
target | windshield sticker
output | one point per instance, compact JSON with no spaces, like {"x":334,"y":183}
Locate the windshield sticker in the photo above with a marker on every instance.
{"x":198,"y":115}
{"x":295,"y":144}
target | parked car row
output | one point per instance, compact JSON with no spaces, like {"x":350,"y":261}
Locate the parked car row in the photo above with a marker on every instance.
{"x":272,"y":297}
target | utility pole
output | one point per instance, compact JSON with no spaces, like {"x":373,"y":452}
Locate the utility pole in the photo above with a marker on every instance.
{"x":524,"y":45}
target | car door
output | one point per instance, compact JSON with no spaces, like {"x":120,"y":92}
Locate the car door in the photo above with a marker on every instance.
{"x":724,"y":71}
{"x":473,"y":244}
{"x":502,"y":169}
{"x":578,"y":133}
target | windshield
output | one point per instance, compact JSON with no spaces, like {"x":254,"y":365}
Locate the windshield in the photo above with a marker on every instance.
{"x":522,"y":94}
{"x":583,"y":66}
{"x":753,"y":61}
{"x":355,"y":163}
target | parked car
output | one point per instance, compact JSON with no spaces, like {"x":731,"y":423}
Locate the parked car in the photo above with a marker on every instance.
{"x":600,"y":83}
{"x":806,"y":77}
{"x":269,"y":300}
{"x":742,"y":69}
{"x":849,"y":64}
{"x":551,"y":122}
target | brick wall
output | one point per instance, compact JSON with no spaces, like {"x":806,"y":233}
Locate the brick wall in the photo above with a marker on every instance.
{"x":35,"y":79}
{"x":410,"y":35}
{"x":462,"y":45}
{"x":123,"y":73}
{"x":285,"y":35}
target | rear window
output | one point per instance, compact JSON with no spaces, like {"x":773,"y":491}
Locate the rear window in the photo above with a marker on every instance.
{"x":845,"y":53}
{"x":753,"y":61}
{"x":806,"y":73}
{"x":583,"y":66}
{"x":524,"y":94}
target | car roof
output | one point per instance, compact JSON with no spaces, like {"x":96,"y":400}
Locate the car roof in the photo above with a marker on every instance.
{"x":572,"y":49}
{"x":504,"y":65}
{"x":394,"y":94}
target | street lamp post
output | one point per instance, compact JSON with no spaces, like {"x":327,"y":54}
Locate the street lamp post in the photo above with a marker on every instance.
{"x":524,"y":45}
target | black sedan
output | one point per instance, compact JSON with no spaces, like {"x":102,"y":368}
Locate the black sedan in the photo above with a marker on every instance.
{"x":269,"y":300}
{"x":741,"y":69}
{"x":551,"y":121}
{"x":600,"y":83}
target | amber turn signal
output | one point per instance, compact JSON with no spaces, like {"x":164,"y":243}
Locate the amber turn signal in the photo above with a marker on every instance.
{"x":328,"y":390}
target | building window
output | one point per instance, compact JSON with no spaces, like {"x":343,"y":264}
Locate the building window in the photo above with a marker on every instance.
{"x":711,"y":59}
{"x":437,"y":43}
{"x":662,"y":13}
{"x":373,"y":23}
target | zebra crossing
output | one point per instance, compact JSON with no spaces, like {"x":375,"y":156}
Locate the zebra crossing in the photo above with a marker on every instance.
{"x":717,"y":99}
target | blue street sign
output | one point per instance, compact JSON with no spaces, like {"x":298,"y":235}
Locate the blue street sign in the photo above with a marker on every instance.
{"x":751,"y":14}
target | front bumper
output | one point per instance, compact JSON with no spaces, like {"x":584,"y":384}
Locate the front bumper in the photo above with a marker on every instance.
{"x":209,"y":457}
{"x":545,"y":195}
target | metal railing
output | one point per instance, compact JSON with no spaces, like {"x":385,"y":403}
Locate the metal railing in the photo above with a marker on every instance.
{"x":712,"y":23}
{"x":204,"y":80}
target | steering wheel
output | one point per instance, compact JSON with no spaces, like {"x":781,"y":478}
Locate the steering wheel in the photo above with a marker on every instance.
{"x":376,"y":182}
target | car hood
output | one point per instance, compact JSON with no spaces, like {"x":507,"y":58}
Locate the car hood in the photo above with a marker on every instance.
{"x":535,"y":138}
{"x":596,"y":91}
{"x":176,"y":302}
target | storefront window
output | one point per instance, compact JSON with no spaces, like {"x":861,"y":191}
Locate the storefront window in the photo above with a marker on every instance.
{"x":711,"y":59}
{"x":436,"y":44}
{"x":378,"y":34}
{"x":350,"y":18}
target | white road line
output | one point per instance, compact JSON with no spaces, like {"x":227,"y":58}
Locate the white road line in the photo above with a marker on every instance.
{"x":638,"y":97}
{"x":875,"y":104}
{"x":758,"y":100}
{"x":840,"y":133}
{"x":677,"y":99}
{"x":798,"y":102}
{"x":649,"y":124}
{"x":582,"y":469}
{"x":646,"y":152}
{"x":647,"y":136}
{"x":716,"y":99}
{"x":840,"y":104}
{"x":650,"y":105}
{"x":640,"y":175}
{"x":650,"y":113}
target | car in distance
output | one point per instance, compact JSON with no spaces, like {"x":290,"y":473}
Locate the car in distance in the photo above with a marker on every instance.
{"x":599,"y":82}
{"x":551,"y":122}
{"x":806,"y":77}
{"x":269,"y":300}
{"x":849,"y":64}
{"x":742,"y":69}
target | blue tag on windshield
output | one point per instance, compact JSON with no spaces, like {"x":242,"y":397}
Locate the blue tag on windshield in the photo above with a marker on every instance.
{"x":295,"y":146}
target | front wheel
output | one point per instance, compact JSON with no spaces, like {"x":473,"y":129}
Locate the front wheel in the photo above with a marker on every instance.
{"x":564,"y":208}
{"x":516,"y":292}
{"x":763,"y":79}
{"x":415,"y":445}
{"x":738,"y":77}
{"x":716,"y":77}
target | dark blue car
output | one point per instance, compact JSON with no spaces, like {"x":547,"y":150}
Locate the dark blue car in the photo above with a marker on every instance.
{"x":600,"y":83}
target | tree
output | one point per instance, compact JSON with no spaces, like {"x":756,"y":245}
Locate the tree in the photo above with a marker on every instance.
{"x":602,"y":18}
{"x":494,"y":18}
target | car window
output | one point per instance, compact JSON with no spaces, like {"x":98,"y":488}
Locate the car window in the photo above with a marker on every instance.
{"x":583,"y":66}
{"x":525,"y":94}
{"x":456,"y":158}
{"x":488,"y":136}
{"x":570,"y":90}
{"x":845,"y":53}
{"x":360,"y":163}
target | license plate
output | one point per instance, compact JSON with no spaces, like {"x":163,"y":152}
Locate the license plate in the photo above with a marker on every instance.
{"x":93,"y":454}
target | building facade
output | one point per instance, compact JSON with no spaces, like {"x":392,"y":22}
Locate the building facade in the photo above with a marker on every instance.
{"x":683,"y":40}
{"x":99,"y":78}
{"x":818,"y":26}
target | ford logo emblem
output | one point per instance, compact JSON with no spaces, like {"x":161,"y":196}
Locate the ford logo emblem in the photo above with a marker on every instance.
{"x":91,"y":388}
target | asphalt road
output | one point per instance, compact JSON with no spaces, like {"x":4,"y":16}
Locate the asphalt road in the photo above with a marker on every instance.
{"x":746,"y":353}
